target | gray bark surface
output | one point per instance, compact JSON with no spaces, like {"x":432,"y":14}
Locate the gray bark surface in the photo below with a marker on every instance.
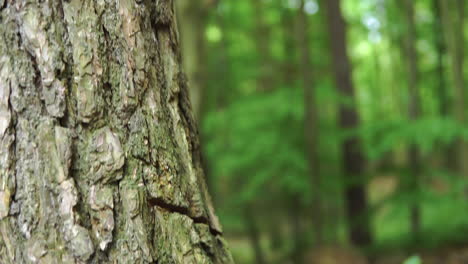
{"x":99,"y":154}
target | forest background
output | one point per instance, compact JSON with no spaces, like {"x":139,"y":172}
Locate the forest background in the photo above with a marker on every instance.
{"x":331,"y":127}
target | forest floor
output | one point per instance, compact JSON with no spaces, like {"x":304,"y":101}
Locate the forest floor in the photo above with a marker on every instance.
{"x":339,"y":255}
{"x":333,"y":255}
{"x":443,"y":238}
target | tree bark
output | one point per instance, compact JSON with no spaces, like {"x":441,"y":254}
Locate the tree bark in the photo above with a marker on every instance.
{"x":353,"y":158}
{"x":99,"y":153}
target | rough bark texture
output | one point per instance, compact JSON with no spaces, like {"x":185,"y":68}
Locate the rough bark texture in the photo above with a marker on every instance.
{"x":99,"y":156}
{"x":353,"y":157}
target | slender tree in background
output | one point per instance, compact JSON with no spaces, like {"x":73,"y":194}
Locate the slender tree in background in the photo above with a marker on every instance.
{"x":263,"y":84}
{"x":311,"y":120}
{"x":352,"y":155}
{"x":441,"y":48}
{"x":192,"y":23}
{"x":396,"y":60}
{"x":288,"y":70}
{"x":261,"y":38}
{"x":266,"y":60}
{"x":254,"y":234}
{"x":443,"y":94}
{"x":414,"y":110}
{"x":192,"y":19}
{"x":99,"y":155}
{"x":452,"y":20}
{"x":289,"y":66}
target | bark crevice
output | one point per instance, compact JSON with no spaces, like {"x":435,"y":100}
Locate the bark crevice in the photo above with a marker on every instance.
{"x":104,"y":161}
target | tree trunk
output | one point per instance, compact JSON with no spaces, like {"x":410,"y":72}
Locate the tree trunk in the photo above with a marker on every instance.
{"x":452,"y":16}
{"x":255,"y":236}
{"x":311,"y":121}
{"x":261,"y":37}
{"x":353,"y":158}
{"x":449,"y":152}
{"x":99,"y":153}
{"x":414,"y":155}
{"x":192,"y":16}
{"x":192,"y":20}
{"x":439,"y":31}
{"x":298,"y":234}
{"x":263,"y":85}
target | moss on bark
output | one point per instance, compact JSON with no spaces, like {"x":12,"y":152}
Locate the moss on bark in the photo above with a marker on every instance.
{"x":99,"y":154}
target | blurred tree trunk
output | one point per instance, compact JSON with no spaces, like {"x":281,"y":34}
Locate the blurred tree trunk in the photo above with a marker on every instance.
{"x":439,"y":32}
{"x":414,"y":114}
{"x":377,"y":93}
{"x":298,"y":234}
{"x":260,"y":36}
{"x":191,"y":24}
{"x":450,"y":151}
{"x":453,"y":16}
{"x":264,"y":84}
{"x":221,"y":95}
{"x":99,"y":154}
{"x":275,"y":229}
{"x":311,"y":121}
{"x":353,"y":158}
{"x":254,"y":233}
{"x":262,"y":40}
{"x":287,"y":69}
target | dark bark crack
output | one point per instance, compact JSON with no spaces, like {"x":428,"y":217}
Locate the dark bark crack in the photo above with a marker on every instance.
{"x":159,"y":202}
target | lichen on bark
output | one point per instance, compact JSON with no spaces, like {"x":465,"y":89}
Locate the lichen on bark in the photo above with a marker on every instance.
{"x":99,"y":155}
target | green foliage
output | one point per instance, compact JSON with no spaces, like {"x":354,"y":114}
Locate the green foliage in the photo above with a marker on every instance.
{"x":254,"y":139}
{"x":262,"y":138}
{"x":428,"y":134}
{"x":413,"y":260}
